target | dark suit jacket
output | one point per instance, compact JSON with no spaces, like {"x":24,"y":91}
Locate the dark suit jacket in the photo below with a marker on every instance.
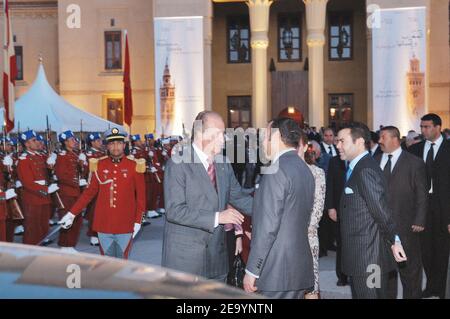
{"x":280,"y":254}
{"x":407,"y":192}
{"x":322,"y":148}
{"x":367,"y":226}
{"x":440,"y":177}
{"x":335,"y":183}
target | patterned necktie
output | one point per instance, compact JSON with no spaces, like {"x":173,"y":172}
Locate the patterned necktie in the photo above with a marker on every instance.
{"x":349,"y":173}
{"x":212,"y":174}
{"x":387,"y":168}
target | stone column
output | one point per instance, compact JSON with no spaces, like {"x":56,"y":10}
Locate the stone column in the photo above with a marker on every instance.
{"x":315,"y":21}
{"x":259,"y":25}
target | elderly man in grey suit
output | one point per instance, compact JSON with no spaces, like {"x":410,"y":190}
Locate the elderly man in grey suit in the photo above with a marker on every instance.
{"x":368,"y":231}
{"x":280,"y":263}
{"x":198,"y":186}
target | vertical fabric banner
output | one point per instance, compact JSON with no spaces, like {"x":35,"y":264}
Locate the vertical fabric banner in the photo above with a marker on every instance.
{"x":179,"y":76}
{"x":399,"y":68}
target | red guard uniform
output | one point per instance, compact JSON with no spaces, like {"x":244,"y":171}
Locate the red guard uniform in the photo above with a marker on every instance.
{"x":68,"y":172}
{"x":92,"y":153}
{"x":36,"y":202}
{"x":2,"y":207}
{"x":120,"y":190}
{"x":154,"y":181}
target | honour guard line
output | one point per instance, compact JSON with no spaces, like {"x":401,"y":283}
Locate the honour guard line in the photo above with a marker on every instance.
{"x":116,"y":192}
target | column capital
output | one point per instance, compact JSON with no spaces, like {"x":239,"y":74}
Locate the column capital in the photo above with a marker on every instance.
{"x":259,"y":11}
{"x":316,"y":11}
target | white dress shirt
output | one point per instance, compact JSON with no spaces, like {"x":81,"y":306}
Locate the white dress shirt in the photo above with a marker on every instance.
{"x":327,"y":149}
{"x":385,"y":157}
{"x":204,"y":159}
{"x":437,"y":145}
{"x":373,"y":149}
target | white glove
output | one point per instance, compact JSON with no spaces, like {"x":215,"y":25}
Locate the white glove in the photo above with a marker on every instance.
{"x":153,"y":170}
{"x":67,"y":220}
{"x":51,"y":160}
{"x":18,"y":184}
{"x":83,"y":182}
{"x":52,"y":188}
{"x":10,"y":193}
{"x":137,"y":228}
{"x":8,"y":161}
{"x":82,"y":157}
{"x":164,"y":153}
{"x":151,"y":154}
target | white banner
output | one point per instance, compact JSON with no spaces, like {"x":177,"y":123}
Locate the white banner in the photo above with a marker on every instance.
{"x":399,"y":68}
{"x":179,"y":80}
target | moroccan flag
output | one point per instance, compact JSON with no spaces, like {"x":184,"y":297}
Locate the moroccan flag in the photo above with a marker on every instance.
{"x":9,"y":69}
{"x":128,"y":100}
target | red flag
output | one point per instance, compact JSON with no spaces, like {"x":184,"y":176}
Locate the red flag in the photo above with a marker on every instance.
{"x":9,"y":69}
{"x":128,"y":100}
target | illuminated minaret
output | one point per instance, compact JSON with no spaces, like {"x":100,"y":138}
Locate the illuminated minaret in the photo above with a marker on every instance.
{"x":415,"y":87}
{"x":167,"y":100}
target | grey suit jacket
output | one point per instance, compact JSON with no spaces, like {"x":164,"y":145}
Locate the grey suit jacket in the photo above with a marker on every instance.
{"x":367,"y":225}
{"x":280,"y":254}
{"x":191,"y":243}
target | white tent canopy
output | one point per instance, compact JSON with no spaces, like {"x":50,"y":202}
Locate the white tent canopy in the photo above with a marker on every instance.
{"x":40,"y":101}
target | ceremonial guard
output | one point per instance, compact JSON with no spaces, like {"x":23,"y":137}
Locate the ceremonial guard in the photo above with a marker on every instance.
{"x":154,"y":177}
{"x":36,"y":201}
{"x":14,"y":223}
{"x":69,"y":170}
{"x":95,"y":150}
{"x":139,"y":151}
{"x":118,"y":183}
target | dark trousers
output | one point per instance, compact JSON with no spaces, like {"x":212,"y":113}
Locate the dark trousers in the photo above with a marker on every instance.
{"x":361,"y":290}
{"x":435,"y":250}
{"x":341,"y":276}
{"x":294,"y":294}
{"x":69,"y":237}
{"x":327,"y":233}
{"x":410,"y":271}
{"x":2,"y":230}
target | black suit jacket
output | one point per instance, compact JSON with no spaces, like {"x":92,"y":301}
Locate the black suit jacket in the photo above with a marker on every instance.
{"x":335,"y":183}
{"x":367,"y":226}
{"x":440,"y":177}
{"x":326,"y":150}
{"x":407,"y":193}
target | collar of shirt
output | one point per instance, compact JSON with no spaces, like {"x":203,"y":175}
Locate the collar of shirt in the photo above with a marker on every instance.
{"x":437,"y":145}
{"x":116,"y":160}
{"x":395,"y":155}
{"x":356,"y":160}
{"x":201,"y":155}
{"x":327,"y":148}
{"x":282,"y":153}
{"x":373,"y":149}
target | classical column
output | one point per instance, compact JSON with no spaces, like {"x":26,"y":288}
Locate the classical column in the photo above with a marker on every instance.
{"x":315,"y":21}
{"x":259,"y":25}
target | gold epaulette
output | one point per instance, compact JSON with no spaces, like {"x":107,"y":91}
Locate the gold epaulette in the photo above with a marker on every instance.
{"x":93,"y":163}
{"x":140,"y":164}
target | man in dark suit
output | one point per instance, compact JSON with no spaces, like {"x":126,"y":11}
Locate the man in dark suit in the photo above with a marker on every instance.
{"x":280,"y":264}
{"x":407,"y":198}
{"x":327,"y":144}
{"x":198,"y":186}
{"x":334,"y":189}
{"x":374,"y":149}
{"x":367,"y":227}
{"x":435,"y":152}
